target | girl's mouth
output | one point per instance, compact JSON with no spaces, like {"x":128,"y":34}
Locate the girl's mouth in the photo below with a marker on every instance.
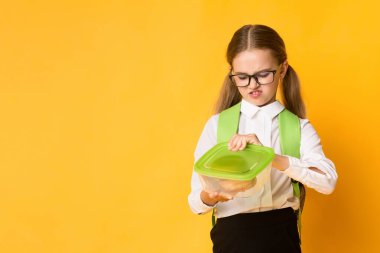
{"x":255,"y":93}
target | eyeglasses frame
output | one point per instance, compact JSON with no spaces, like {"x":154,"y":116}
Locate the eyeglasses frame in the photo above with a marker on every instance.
{"x":252,"y":76}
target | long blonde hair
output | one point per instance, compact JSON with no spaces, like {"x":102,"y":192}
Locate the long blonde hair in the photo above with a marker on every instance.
{"x":261,"y":37}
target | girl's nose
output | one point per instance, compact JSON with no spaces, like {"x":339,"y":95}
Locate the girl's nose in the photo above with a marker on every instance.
{"x":253,"y":83}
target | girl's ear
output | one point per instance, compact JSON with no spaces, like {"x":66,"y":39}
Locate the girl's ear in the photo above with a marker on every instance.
{"x":284,"y":68}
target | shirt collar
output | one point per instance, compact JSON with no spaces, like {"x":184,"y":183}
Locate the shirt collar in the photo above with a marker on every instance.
{"x":271,"y":110}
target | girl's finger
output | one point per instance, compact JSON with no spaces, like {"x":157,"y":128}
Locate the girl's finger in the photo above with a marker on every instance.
{"x":231,"y":142}
{"x":234,"y":142}
{"x":237,"y":144}
{"x":243,"y":144}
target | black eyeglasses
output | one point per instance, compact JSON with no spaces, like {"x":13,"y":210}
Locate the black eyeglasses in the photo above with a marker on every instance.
{"x":261,"y":78}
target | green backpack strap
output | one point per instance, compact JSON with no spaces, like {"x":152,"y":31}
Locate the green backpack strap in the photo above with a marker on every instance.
{"x":228,"y":124}
{"x":290,"y":142}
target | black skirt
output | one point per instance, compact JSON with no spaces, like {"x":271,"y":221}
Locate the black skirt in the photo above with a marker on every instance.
{"x":261,"y":232}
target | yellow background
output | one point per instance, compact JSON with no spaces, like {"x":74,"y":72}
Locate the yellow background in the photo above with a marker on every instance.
{"x":102,"y":104}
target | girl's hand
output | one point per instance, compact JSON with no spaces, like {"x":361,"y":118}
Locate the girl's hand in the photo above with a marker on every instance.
{"x":212,"y":198}
{"x":240,"y":141}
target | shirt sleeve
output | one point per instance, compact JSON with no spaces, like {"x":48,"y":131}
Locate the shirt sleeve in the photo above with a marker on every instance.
{"x":312,"y":156}
{"x":206,"y":141}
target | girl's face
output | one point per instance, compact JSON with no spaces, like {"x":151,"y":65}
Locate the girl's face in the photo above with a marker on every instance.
{"x":259,"y":62}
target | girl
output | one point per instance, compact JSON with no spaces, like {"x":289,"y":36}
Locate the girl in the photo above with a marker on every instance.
{"x":265,"y":222}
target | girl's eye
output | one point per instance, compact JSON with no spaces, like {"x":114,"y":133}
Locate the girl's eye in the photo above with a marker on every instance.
{"x":263,"y":74}
{"x":242,"y":77}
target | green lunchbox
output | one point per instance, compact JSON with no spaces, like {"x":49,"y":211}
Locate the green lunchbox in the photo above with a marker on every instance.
{"x":230,"y":172}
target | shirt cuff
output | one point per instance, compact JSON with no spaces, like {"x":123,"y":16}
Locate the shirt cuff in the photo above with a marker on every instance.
{"x":296,"y":169}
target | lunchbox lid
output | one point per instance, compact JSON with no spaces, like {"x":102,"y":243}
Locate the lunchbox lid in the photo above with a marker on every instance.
{"x":244,"y":164}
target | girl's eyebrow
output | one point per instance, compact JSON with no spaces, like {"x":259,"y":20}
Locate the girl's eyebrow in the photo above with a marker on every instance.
{"x":266,"y":69}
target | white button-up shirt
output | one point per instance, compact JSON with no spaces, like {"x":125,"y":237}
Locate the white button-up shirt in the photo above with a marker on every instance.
{"x":278,"y":191}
